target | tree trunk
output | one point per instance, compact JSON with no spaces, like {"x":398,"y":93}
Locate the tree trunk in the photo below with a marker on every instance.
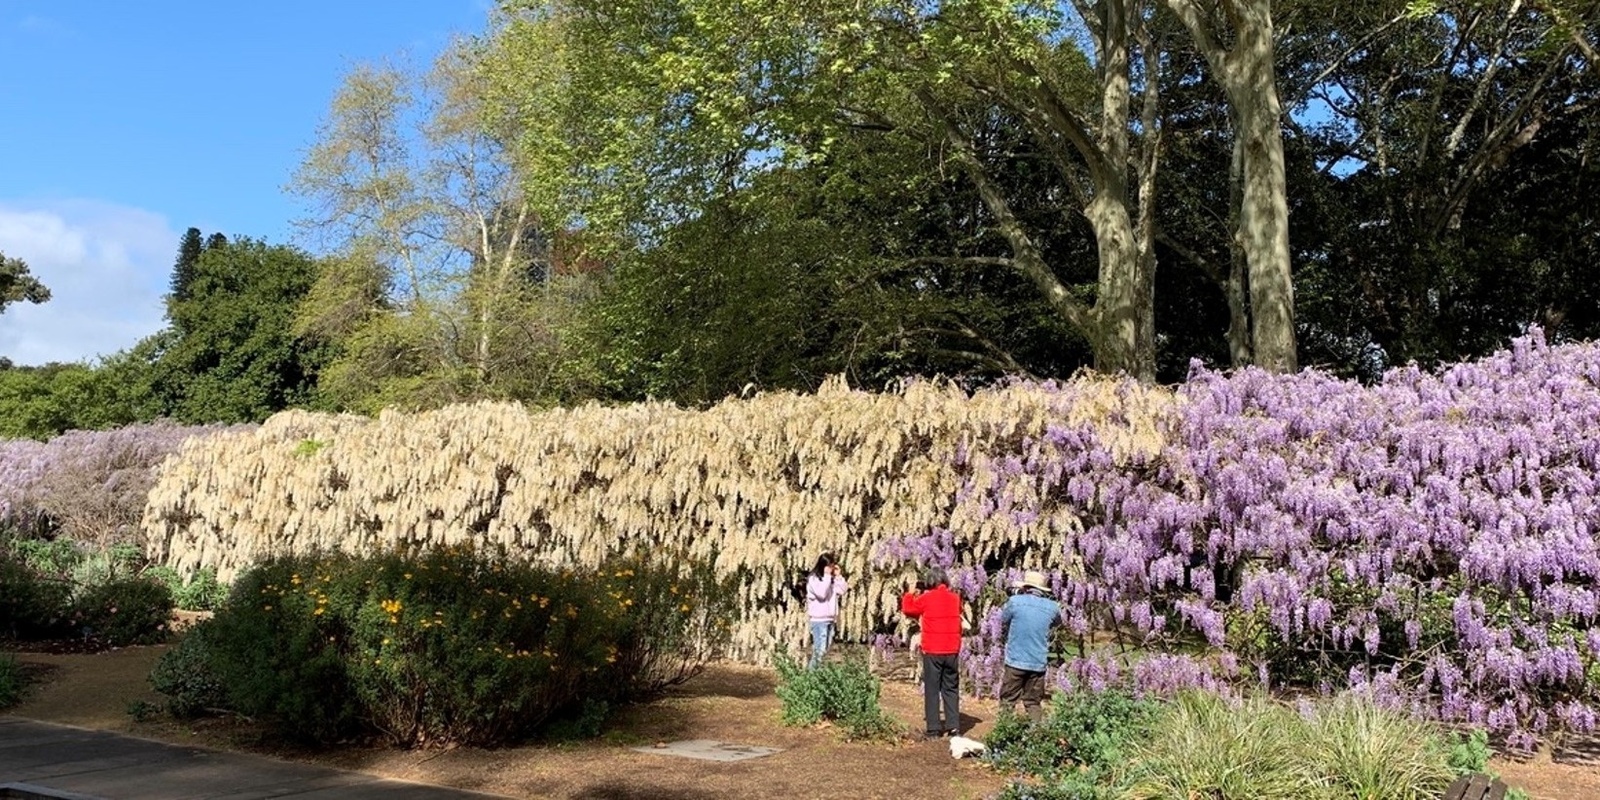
{"x":1246,"y":74}
{"x":1252,"y":89}
{"x":1124,"y":339}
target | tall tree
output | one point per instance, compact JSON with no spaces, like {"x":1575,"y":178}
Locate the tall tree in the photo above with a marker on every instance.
{"x":675,"y":104}
{"x":232,"y":355}
{"x":413,"y":174}
{"x":1432,"y":123}
{"x":183,"y":270}
{"x":1237,"y":39}
{"x":723,"y":94}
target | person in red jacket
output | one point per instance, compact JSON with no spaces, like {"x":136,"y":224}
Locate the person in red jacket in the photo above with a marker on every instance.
{"x":939,"y":608}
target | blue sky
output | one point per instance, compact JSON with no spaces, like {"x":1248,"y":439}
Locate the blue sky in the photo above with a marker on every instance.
{"x":123,"y":123}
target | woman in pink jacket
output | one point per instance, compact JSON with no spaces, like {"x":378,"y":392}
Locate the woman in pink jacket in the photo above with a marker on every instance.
{"x":822,"y":603}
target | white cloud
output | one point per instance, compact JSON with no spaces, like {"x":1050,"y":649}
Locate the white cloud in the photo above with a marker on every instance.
{"x":106,"y":267}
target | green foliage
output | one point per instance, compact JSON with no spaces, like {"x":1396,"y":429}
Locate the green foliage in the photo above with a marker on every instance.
{"x":1469,"y":753}
{"x":680,"y":616}
{"x":12,"y":681}
{"x":1209,"y":746}
{"x":97,"y":567}
{"x":17,"y":283}
{"x":280,"y":664}
{"x":588,"y":723}
{"x":32,"y":605}
{"x":141,"y":710}
{"x":845,"y":692}
{"x":201,"y":593}
{"x":49,"y":556}
{"x":186,"y":675}
{"x":1074,"y":749}
{"x":1362,"y":751}
{"x":308,"y":447}
{"x":232,"y":355}
{"x":446,"y":646}
{"x":124,"y":611}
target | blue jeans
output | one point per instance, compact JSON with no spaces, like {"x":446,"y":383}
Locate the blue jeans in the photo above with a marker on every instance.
{"x":821,"y":637}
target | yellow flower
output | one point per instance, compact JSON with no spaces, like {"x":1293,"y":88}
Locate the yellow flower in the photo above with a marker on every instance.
{"x":266,"y":608}
{"x":317,"y":613}
{"x":392,"y":607}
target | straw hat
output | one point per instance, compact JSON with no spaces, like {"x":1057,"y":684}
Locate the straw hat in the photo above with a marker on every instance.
{"x":1036,"y":579}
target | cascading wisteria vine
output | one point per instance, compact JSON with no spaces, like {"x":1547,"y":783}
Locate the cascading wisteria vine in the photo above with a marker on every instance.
{"x":89,"y":486}
{"x":1430,"y":540}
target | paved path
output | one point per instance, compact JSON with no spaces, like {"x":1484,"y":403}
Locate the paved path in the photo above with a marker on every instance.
{"x":82,"y":763}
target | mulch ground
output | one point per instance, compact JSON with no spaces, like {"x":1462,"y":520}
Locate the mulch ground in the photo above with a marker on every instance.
{"x":99,"y":689}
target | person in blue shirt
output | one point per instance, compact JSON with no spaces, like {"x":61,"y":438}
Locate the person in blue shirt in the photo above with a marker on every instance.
{"x":1026,"y":620}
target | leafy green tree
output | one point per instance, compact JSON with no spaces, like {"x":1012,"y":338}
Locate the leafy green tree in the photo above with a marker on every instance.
{"x":455,"y":269}
{"x":1442,"y":133}
{"x":232,"y":355}
{"x":42,"y":402}
{"x":183,"y":270}
{"x":671,"y":105}
{"x":17,"y":283}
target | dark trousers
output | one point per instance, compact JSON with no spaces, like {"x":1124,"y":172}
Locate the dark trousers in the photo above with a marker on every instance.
{"x":1024,"y":685}
{"x":941,"y":681}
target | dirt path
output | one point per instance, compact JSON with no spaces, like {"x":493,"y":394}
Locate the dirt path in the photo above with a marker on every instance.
{"x":728,"y":703}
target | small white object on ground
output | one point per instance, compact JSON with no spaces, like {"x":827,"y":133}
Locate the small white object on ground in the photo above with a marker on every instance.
{"x":961,"y":747}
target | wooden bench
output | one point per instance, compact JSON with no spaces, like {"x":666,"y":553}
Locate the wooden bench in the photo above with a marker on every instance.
{"x":1476,"y":787}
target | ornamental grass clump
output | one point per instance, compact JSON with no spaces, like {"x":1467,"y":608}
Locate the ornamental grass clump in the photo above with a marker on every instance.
{"x":1363,"y":751}
{"x":1344,"y":748}
{"x":441,"y":647}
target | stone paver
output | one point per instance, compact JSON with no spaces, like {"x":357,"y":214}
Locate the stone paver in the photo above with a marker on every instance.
{"x":709,"y":750}
{"x":105,"y":765}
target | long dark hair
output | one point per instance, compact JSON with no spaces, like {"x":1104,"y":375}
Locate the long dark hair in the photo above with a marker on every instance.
{"x":823,"y":562}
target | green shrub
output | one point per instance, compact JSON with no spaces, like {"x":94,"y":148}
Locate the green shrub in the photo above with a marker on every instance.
{"x":49,"y":556}
{"x":12,"y":681}
{"x":1071,"y":751}
{"x":1469,"y":753}
{"x":32,"y":605}
{"x":108,"y":565}
{"x":186,"y":675}
{"x":126,"y":611}
{"x":845,"y":692}
{"x":452,"y":646}
{"x":679,"y":616}
{"x":200,"y":593}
